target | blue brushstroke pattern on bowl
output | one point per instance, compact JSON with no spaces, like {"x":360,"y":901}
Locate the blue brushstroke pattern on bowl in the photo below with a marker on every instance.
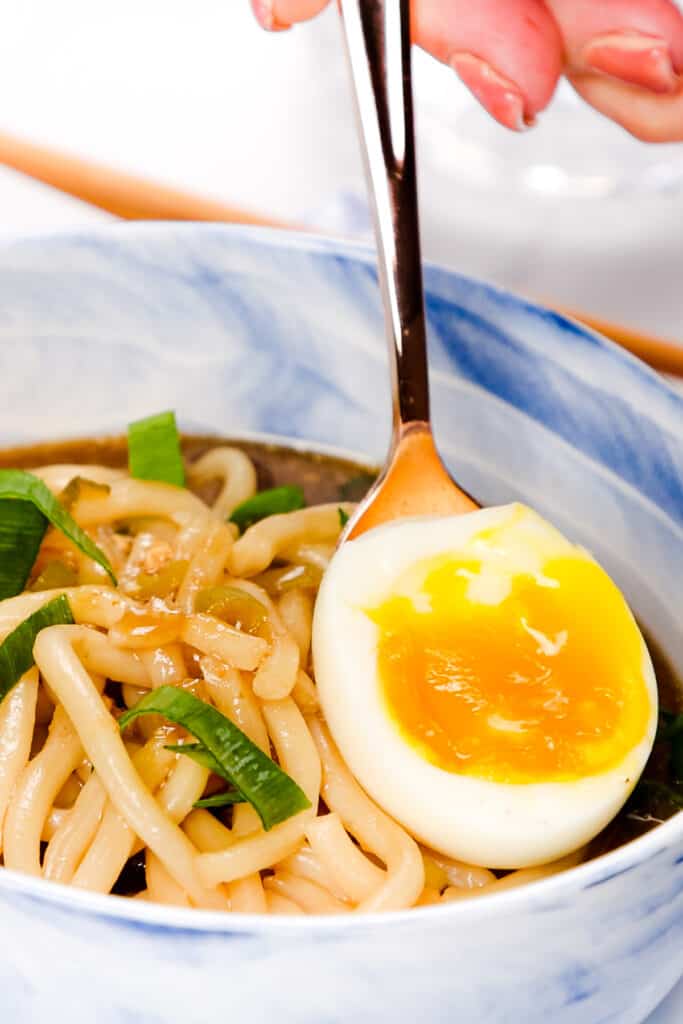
{"x":249,"y":332}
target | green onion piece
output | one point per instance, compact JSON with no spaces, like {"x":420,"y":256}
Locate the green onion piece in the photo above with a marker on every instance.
{"x":162,"y":583}
{"x":55,"y":574}
{"x":271,"y":792}
{"x":198,"y":753}
{"x":26,"y":488}
{"x":234,"y":606}
{"x":224,"y":799}
{"x":154,"y":450}
{"x":16,"y":650}
{"x":343,"y":517}
{"x":267,"y":503}
{"x":22,"y":528}
{"x":80,"y":487}
{"x":289,"y":577}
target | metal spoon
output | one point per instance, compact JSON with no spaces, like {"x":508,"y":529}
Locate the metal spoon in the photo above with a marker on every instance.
{"x":414,"y":480}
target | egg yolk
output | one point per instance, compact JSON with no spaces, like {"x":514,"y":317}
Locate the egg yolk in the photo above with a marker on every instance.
{"x":544,"y":684}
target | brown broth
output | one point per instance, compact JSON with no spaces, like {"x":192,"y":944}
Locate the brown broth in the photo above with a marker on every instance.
{"x":325,"y":478}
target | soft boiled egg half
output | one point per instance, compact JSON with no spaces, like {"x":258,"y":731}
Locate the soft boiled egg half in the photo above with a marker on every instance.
{"x":486,"y":683}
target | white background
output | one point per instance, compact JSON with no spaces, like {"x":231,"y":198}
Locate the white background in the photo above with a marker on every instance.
{"x":193,"y":94}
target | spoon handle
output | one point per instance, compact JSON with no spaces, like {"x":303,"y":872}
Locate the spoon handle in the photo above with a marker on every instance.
{"x":378,"y":46}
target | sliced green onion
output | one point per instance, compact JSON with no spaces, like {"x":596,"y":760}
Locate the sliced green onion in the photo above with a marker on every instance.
{"x":271,"y":792}
{"x":197,"y":752}
{"x":224,"y":799}
{"x":22,"y":528}
{"x":343,"y":517}
{"x":26,"y":489}
{"x":55,"y":574}
{"x":267,"y":503}
{"x":289,"y":577}
{"x":234,"y":606}
{"x":80,"y":487}
{"x":154,"y":450}
{"x":162,"y":583}
{"x":16,"y":650}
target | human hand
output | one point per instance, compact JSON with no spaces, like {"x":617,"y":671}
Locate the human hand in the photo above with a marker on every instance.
{"x":624,"y":57}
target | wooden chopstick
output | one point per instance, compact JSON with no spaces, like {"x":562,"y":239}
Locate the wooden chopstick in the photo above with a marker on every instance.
{"x":134,"y":198}
{"x":124,"y":195}
{"x":662,"y":355}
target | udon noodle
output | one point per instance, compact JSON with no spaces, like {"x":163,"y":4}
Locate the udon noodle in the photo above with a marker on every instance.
{"x":79,"y":799}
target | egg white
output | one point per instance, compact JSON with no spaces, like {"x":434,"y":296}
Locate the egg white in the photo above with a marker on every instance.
{"x":500,"y":825}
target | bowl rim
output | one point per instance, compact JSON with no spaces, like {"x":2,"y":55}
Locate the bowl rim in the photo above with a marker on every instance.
{"x":358,"y":250}
{"x":531,"y":896}
{"x":163,"y":918}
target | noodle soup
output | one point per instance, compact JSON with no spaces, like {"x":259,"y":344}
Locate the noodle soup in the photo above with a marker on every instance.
{"x":213,"y":599}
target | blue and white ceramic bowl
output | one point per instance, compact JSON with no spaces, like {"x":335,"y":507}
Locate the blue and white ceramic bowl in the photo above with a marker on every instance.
{"x":248,"y":332}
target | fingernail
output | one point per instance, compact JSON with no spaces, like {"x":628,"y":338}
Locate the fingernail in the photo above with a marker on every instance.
{"x":263,"y":12}
{"x":638,"y":60}
{"x":498,"y":94}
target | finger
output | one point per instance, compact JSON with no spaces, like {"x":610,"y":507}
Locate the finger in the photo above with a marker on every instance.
{"x":508,"y":52}
{"x":647,"y":115}
{"x":636,"y":41}
{"x":275,"y":15}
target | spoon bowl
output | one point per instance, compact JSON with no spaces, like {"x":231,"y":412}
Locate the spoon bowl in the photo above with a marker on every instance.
{"x":415,"y":482}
